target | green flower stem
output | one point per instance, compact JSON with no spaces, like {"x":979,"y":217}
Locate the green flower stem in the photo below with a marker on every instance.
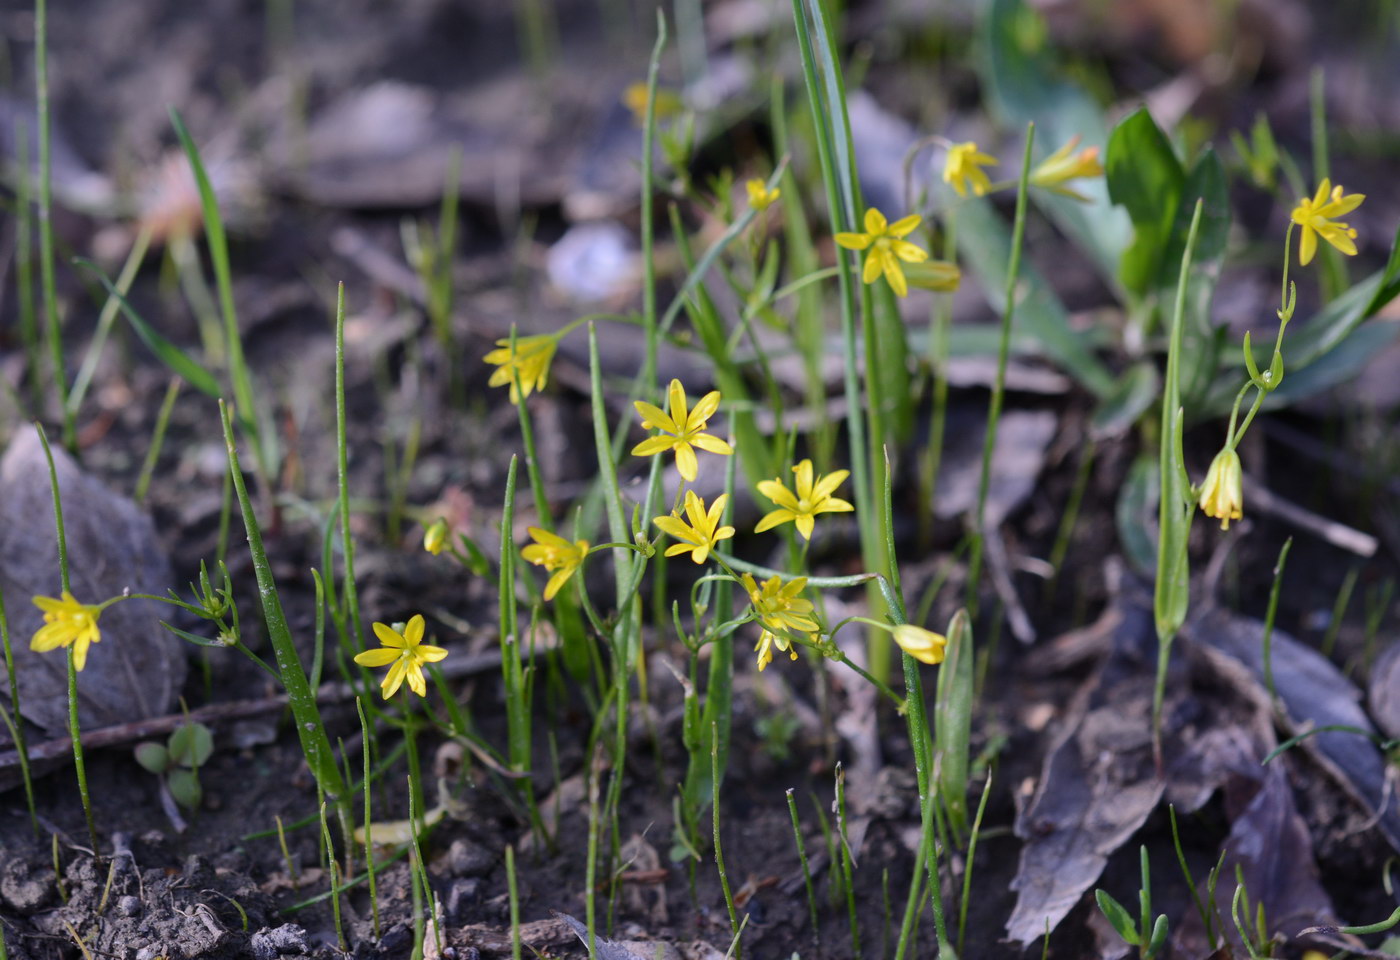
{"x":148,"y":466}
{"x":300,"y":697}
{"x":1176,"y":507}
{"x":806,"y":871}
{"x":105,"y":319}
{"x":342,"y":448}
{"x":17,"y":725}
{"x":648,"y":374}
{"x":79,"y":766}
{"x":819,"y":583}
{"x":994,"y":404}
{"x":52,"y":320}
{"x":369,"y":841}
{"x":719,"y":850}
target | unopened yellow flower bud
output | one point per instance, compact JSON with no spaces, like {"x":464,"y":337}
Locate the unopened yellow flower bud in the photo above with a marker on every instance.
{"x":923,"y":645}
{"x":760,"y":197}
{"x":435,"y":537}
{"x":1221,"y":496}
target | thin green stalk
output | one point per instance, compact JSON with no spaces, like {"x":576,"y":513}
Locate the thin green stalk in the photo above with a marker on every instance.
{"x":342,"y":452}
{"x":847,"y":880}
{"x":806,"y":870}
{"x":514,"y":903}
{"x":248,"y":411}
{"x":1070,"y":517}
{"x":1339,"y":611}
{"x":106,"y":318}
{"x":994,"y":404}
{"x":369,"y":819}
{"x":148,"y":466}
{"x":843,"y":217}
{"x":300,"y":697}
{"x":24,"y":263}
{"x":939,"y":351}
{"x":1269,"y":619}
{"x":648,"y":375}
{"x":52,"y":321}
{"x":335,"y":878}
{"x":971,"y":858}
{"x":74,"y":731}
{"x":287,"y":860}
{"x":719,"y":851}
{"x":17,"y":726}
{"x":1176,"y":507}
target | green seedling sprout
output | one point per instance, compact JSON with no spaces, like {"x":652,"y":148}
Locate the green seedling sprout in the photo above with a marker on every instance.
{"x":1148,"y":935}
{"x":177,"y":761}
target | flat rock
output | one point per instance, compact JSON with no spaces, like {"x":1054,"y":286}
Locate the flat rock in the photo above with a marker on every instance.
{"x":138,"y":668}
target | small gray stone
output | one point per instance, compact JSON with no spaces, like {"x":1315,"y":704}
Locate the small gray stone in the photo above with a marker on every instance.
{"x":24,"y":887}
{"x":468,"y":859}
{"x":274,"y":942}
{"x":129,"y":906}
{"x":462,"y":896}
{"x":148,"y":953}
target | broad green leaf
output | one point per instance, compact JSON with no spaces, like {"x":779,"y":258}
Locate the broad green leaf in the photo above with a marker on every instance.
{"x":984,"y":240}
{"x":191,"y":745}
{"x":953,"y":720}
{"x":1118,"y":917}
{"x":1132,"y":395}
{"x":1023,"y":84}
{"x":1146,"y":179}
{"x":1136,"y":515}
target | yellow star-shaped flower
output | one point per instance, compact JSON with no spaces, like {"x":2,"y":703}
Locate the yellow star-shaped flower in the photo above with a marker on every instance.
{"x":554,"y":553}
{"x":407,"y":654}
{"x":779,"y":605}
{"x":813,"y":496}
{"x":681,"y":430}
{"x":886,"y":246}
{"x":67,"y":622}
{"x":963,"y":168}
{"x":1316,"y":215}
{"x":703,"y":533}
{"x":529,"y":365}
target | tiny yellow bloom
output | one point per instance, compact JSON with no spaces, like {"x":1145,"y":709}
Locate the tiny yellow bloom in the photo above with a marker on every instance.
{"x":780,"y":606}
{"x":435,"y":537}
{"x":668,"y":102}
{"x":1064,"y":165}
{"x":67,"y":622}
{"x":760,"y":197}
{"x":767,"y":640}
{"x":1221,"y":496}
{"x":554,"y":553}
{"x":887,"y":247}
{"x":964,"y":167}
{"x":703,"y":533}
{"x":406,"y":652}
{"x":530,"y":365}
{"x":813,"y":496}
{"x":681,"y":430}
{"x":923,"y":645}
{"x":1315,"y":215}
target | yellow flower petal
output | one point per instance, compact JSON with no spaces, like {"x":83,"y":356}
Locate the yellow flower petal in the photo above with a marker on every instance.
{"x":378,"y":657}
